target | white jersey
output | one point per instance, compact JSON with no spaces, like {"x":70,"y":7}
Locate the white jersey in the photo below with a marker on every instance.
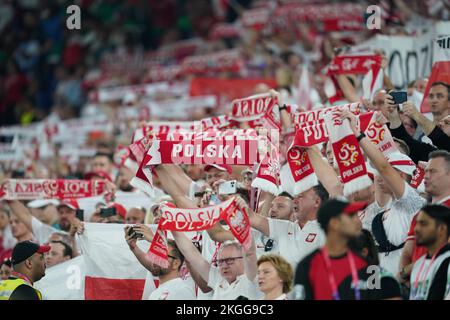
{"x":366,"y":216}
{"x":396,"y":221}
{"x":264,"y":245}
{"x":175,"y":289}
{"x":295,"y":243}
{"x":223,"y":290}
{"x":41,"y":231}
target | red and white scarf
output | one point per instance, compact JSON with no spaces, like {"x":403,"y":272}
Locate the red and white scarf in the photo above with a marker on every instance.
{"x":348,"y":155}
{"x":197,"y":219}
{"x":268,"y":172}
{"x":257,"y":110}
{"x":31,"y":189}
{"x":226,"y":60}
{"x":306,"y":117}
{"x":369,"y":65}
{"x":236,"y":151}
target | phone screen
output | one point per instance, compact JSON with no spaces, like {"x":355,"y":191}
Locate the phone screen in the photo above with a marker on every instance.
{"x":399,"y":96}
{"x":107,"y":212}
{"x":80,"y":214}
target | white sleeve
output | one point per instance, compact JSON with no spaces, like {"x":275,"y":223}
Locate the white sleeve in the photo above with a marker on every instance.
{"x":278,"y":227}
{"x":41,"y":231}
{"x":411,"y":201}
{"x":214,"y":277}
{"x":184,"y":292}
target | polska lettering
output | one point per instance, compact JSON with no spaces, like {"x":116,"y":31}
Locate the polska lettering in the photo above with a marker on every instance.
{"x":30,"y":189}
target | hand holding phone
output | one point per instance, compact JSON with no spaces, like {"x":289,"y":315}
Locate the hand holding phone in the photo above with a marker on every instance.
{"x":399,"y":97}
{"x":80,"y":214}
{"x":133,"y":234}
{"x":227,"y":187}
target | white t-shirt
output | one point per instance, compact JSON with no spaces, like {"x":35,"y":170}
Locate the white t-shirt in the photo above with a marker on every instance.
{"x":223,"y":290}
{"x":396,"y":221}
{"x":41,"y":231}
{"x":175,"y":289}
{"x":295,"y":243}
{"x":261,"y":242}
{"x":367,"y":215}
{"x":8,"y":239}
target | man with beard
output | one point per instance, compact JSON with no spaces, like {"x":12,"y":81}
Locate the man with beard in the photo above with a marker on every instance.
{"x":430,"y":274}
{"x":321,"y":275}
{"x":28,"y":267}
{"x":171,"y":285}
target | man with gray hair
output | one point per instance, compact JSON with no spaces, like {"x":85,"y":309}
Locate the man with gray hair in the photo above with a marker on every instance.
{"x":232,"y":275}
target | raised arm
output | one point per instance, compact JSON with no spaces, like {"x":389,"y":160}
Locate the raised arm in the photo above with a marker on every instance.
{"x":325,"y":173}
{"x":347,"y":88}
{"x":389,"y":174}
{"x":21,"y":212}
{"x":191,"y":254}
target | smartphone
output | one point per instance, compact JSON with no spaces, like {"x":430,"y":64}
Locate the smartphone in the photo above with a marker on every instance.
{"x":107,"y":212}
{"x":6,"y":139}
{"x":80,"y":214}
{"x":399,"y":96}
{"x":228,"y":187}
{"x":133,"y":234}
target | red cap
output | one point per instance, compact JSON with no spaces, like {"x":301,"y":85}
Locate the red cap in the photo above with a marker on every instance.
{"x":353,"y":207}
{"x":221,"y":167}
{"x":71,"y":203}
{"x":99,"y":173}
{"x":120,"y":209}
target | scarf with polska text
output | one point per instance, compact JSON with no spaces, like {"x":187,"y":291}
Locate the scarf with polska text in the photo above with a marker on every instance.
{"x":354,"y":64}
{"x":256,"y":111}
{"x":348,"y":154}
{"x":143,"y":176}
{"x":62,"y":189}
{"x":198,"y":219}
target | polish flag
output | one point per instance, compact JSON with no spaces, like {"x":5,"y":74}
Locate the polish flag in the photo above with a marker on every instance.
{"x":441,"y":68}
{"x":107,"y":269}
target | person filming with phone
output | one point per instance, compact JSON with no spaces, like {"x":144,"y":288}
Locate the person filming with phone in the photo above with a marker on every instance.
{"x":171,"y":285}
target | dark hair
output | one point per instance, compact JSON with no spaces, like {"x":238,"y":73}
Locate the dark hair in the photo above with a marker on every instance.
{"x":67,"y":249}
{"x":176,"y":252}
{"x":365,"y":241}
{"x":440,"y":213}
{"x":441,"y":83}
{"x":286,"y":194}
{"x":321,"y":192}
{"x":441,"y":154}
{"x":110,"y":156}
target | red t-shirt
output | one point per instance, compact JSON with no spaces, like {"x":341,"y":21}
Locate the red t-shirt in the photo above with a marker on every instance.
{"x":317,"y":273}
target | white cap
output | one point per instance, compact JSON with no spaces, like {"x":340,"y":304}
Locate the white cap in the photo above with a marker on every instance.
{"x":402,"y":163}
{"x":39,"y":203}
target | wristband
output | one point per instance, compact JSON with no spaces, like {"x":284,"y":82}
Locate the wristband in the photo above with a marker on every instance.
{"x":283,"y":107}
{"x":360,"y":137}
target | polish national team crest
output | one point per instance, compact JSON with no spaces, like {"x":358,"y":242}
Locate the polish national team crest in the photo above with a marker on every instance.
{"x":311,"y":237}
{"x":348,"y":154}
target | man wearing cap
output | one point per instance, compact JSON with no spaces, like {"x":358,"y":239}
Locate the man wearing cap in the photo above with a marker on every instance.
{"x":430,"y":275}
{"x":28,"y":267}
{"x":67,"y":212}
{"x":45,"y":211}
{"x":321,"y":275}
{"x":399,"y":203}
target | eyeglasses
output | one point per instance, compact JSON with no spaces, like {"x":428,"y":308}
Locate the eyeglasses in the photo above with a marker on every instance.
{"x":228,"y":261}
